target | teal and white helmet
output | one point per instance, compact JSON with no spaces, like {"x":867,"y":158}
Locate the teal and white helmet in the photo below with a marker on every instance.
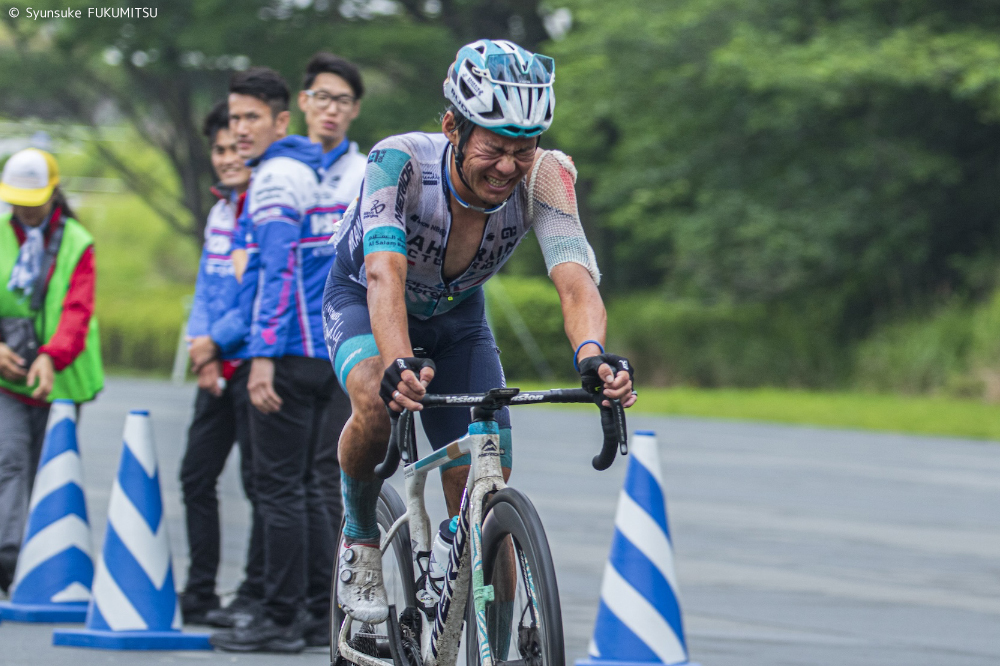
{"x":500,"y":86}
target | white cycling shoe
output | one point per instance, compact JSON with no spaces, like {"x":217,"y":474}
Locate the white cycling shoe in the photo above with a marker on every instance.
{"x":360,"y":590}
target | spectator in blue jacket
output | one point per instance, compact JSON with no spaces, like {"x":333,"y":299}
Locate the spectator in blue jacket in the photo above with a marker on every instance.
{"x":291,"y":381}
{"x":221,"y":404}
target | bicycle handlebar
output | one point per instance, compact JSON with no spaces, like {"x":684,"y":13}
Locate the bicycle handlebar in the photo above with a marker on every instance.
{"x":612,"y":420}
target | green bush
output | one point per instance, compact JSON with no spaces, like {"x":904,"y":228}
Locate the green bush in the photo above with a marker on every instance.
{"x":144,"y":273}
{"x":682,"y":342}
{"x":141,"y":334}
{"x":918,"y":356}
{"x":536,"y":304}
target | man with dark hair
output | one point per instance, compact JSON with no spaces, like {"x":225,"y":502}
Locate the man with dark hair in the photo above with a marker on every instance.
{"x":290,"y":380}
{"x":220,"y":412}
{"x":330,"y":100}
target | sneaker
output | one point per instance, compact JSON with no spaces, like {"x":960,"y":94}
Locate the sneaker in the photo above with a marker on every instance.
{"x":239,"y":613}
{"x":360,"y":591}
{"x":194,"y":607}
{"x":317,"y":630}
{"x":262,"y":635}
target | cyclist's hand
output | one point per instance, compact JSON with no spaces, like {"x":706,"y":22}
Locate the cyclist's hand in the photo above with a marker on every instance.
{"x":405,"y":382}
{"x":610,"y":376}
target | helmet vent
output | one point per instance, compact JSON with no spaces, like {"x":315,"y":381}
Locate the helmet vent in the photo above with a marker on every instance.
{"x":464,"y":89}
{"x":494,"y":113}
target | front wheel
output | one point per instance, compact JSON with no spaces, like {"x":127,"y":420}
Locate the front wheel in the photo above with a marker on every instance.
{"x":524,"y":620}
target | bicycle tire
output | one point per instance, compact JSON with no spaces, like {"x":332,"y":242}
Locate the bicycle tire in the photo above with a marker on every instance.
{"x":390,"y":507}
{"x":510,"y":513}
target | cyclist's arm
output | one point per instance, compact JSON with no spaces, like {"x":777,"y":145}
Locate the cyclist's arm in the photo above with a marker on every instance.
{"x":586,"y":319}
{"x":386,"y":273}
{"x":392,"y":185}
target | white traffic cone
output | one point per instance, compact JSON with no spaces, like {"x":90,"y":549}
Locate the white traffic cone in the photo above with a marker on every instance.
{"x":639,"y":619}
{"x":54,"y":568}
{"x":135,"y":605}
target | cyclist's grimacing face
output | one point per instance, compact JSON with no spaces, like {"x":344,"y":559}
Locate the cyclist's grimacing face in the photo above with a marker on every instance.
{"x":254,"y":125}
{"x":495,"y":164}
{"x":230,"y":168}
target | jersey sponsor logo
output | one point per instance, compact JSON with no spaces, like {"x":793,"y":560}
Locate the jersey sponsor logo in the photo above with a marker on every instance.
{"x":401,"y":187}
{"x":430,"y":177}
{"x":218,"y":244}
{"x":385,"y":239}
{"x":220,"y":267}
{"x":376,"y":156}
{"x":419,"y":247}
{"x":374,"y":211}
{"x":508,"y":232}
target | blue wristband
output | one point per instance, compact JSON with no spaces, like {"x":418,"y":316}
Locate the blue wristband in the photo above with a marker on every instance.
{"x":576,"y":364}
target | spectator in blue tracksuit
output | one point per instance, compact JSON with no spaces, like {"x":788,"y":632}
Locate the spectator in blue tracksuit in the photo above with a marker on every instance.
{"x":291,"y":381}
{"x":221,"y":413}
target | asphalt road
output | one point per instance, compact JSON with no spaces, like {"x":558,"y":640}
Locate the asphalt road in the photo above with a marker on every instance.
{"x":793,"y":545}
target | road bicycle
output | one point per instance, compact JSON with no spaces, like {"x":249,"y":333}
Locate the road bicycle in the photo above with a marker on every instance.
{"x":499,"y":581}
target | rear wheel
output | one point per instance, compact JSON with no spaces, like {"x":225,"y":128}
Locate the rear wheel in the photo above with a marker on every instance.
{"x":524,"y":620}
{"x":397,"y":572}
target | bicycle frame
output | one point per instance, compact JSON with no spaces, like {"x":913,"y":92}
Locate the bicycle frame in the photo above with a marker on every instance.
{"x":440,"y":638}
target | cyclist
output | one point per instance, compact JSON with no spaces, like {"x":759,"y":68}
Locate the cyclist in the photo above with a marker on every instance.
{"x":439,"y":214}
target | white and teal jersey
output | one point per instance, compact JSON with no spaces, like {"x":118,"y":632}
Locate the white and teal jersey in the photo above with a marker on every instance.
{"x":404,"y":208}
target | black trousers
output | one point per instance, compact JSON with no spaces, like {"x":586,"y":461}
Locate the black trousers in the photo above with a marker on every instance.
{"x":297,"y":480}
{"x":218,"y":422}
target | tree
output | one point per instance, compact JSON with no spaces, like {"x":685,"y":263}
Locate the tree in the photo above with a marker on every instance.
{"x":161,"y":74}
{"x":831,"y":153}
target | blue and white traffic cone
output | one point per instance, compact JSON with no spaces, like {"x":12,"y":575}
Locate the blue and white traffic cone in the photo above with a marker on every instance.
{"x":135,"y":605}
{"x":639,"y":617}
{"x":54,"y":569}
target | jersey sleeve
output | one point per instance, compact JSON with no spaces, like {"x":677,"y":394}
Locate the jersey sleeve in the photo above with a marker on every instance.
{"x":392,"y":184}
{"x":553,"y":212}
{"x":277,"y":205}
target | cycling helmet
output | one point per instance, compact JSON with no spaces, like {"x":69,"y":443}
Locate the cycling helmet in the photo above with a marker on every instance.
{"x":500,"y":86}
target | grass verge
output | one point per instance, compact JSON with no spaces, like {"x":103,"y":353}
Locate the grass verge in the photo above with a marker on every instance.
{"x":864,"y":411}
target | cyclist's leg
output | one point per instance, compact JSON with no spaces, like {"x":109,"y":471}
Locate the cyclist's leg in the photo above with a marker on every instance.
{"x":467,"y":361}
{"x":362,"y":445}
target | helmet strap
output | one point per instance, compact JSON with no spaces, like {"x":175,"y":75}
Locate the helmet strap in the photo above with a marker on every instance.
{"x":463,"y":140}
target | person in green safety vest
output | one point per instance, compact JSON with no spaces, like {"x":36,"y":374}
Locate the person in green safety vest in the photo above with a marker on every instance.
{"x":49,"y":341}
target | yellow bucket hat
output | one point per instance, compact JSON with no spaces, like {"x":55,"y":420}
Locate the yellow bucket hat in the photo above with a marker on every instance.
{"x":29,"y":177}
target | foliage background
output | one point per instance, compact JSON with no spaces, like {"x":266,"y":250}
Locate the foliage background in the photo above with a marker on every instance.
{"x":797,"y":194}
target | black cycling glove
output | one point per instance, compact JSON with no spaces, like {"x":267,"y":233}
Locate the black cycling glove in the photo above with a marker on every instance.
{"x":592,"y":382}
{"x":393,"y":375}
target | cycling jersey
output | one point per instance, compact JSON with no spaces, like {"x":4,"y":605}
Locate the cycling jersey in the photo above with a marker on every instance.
{"x":405,"y":208}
